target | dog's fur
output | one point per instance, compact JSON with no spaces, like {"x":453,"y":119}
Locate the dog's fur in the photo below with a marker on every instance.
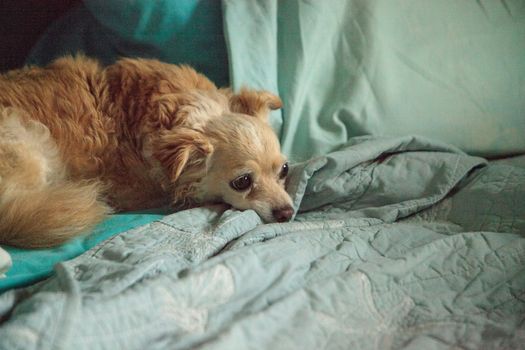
{"x":78,"y":141}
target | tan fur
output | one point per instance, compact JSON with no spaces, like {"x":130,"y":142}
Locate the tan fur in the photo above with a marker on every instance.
{"x":77,"y":138}
{"x":39,"y":206}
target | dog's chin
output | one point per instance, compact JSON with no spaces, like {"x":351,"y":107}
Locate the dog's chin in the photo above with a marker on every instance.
{"x":266,"y":215}
{"x":267,"y":219}
{"x":264,"y":211}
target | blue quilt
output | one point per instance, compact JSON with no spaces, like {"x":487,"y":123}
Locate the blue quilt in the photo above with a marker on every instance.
{"x":399,"y":243}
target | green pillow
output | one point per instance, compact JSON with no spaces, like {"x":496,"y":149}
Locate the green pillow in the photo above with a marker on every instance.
{"x":174,"y":31}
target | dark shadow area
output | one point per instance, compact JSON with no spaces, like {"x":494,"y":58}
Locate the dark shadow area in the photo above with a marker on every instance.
{"x":21,"y":24}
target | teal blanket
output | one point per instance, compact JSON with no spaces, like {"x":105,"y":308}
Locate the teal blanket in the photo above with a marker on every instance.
{"x":398,"y":243}
{"x":32,"y":265}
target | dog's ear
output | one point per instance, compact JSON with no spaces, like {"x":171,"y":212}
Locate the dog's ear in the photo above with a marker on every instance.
{"x":180,"y":149}
{"x":253,"y":102}
{"x":171,"y":109}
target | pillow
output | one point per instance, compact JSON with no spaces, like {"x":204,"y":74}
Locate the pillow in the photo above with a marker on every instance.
{"x":174,"y":31}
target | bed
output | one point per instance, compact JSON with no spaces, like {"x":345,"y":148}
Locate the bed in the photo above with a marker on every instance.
{"x":408,"y":140}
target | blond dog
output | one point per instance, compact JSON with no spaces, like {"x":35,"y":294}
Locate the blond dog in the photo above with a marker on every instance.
{"x":78,"y":141}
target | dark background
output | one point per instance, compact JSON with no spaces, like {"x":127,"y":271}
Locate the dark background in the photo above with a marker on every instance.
{"x":21,"y":24}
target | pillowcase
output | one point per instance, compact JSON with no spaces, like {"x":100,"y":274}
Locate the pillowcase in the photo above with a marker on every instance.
{"x":174,"y":31}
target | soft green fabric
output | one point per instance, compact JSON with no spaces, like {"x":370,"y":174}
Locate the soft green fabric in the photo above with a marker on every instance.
{"x":5,"y":262}
{"x":174,"y":31}
{"x":30,"y":265}
{"x":400,"y":243}
{"x":448,"y":69}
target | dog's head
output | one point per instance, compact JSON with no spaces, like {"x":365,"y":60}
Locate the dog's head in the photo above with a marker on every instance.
{"x":226,"y":151}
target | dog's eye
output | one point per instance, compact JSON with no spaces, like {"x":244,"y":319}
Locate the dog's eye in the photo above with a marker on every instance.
{"x":284,"y":171}
{"x":242,"y":183}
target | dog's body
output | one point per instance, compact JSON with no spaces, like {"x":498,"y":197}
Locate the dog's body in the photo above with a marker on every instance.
{"x":77,"y":139}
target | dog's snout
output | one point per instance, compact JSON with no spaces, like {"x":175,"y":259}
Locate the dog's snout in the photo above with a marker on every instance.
{"x":283,"y":214}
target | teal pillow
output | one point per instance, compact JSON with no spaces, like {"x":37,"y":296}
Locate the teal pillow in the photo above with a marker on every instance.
{"x":174,"y":31}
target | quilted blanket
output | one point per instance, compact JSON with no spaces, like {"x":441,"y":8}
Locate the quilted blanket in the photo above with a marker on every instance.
{"x":398,"y":243}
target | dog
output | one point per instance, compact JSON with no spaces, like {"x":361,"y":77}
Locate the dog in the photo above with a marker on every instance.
{"x":79,"y":141}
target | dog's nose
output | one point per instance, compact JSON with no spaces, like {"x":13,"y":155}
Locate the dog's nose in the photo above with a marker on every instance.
{"x":283,"y":214}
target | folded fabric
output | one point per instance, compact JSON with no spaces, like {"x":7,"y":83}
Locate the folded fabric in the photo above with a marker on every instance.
{"x":5,"y":262}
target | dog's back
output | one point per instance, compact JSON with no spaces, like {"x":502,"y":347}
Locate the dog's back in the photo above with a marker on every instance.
{"x":65,"y":97}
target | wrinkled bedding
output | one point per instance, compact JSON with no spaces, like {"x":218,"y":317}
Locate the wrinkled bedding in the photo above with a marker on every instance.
{"x":399,"y":243}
